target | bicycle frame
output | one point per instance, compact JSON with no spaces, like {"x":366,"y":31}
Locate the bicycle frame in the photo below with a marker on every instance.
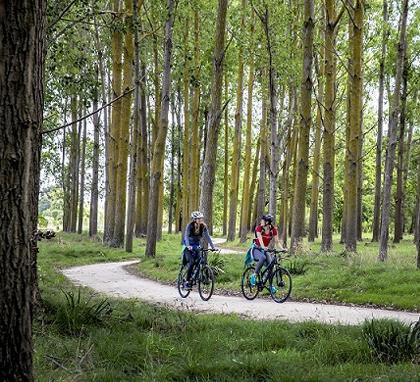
{"x":266,"y":274}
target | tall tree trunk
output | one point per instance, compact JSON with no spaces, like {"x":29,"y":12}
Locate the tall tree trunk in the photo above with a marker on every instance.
{"x":399,"y":197}
{"x":226,"y":163}
{"x":186,"y":142}
{"x":172,"y":176}
{"x":252,"y":186}
{"x":94,"y":192}
{"x":143,"y":169}
{"x":393,"y":125}
{"x":121,"y":199}
{"x":236,"y":154}
{"x":159,"y":144}
{"x":82,"y":180}
{"x":263,"y":158}
{"x":313,"y":215}
{"x":135,"y":130}
{"x":330,"y":69}
{"x":73,"y":189}
{"x":378,"y":166}
{"x":298,"y":227}
{"x":209,"y":165}
{"x":195,"y":134}
{"x":246,"y":195}
{"x":355,"y":126}
{"x":114,"y":131}
{"x":21,"y":106}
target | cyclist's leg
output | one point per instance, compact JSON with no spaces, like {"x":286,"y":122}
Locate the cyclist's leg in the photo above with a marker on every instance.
{"x":260,"y":257}
{"x":189,"y":256}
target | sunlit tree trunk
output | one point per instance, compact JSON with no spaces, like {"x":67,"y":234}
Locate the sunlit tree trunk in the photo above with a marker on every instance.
{"x":378,"y":166}
{"x":159,"y":144}
{"x":195,"y":134}
{"x":298,"y":226}
{"x":393,"y":126}
{"x":402,"y":147}
{"x":355,"y":126}
{"x":252,"y":186}
{"x":114,"y":131}
{"x":94,"y":192}
{"x":226,"y":164}
{"x":215,"y":114}
{"x":330,"y":70}
{"x":313,"y":215}
{"x":236,"y":154}
{"x":82,"y":180}
{"x":186,"y":170}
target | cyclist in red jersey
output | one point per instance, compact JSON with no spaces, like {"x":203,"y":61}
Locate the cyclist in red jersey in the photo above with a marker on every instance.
{"x":265,"y":232}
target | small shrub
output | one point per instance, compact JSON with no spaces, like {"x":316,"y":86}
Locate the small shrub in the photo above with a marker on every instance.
{"x":297,"y":266}
{"x":78,"y":312}
{"x":217,"y":264}
{"x":392,"y":341}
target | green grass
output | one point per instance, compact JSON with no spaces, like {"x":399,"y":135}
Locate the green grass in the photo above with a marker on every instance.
{"x":140,"y":342}
{"x":334,"y":277}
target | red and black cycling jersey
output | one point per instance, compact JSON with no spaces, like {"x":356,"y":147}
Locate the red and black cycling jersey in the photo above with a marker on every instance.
{"x":267,"y":235}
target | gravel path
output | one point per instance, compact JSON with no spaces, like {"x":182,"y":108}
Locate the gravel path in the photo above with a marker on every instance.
{"x":114,"y":280}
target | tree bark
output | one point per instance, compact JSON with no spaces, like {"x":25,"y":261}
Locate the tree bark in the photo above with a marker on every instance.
{"x":135,"y":129}
{"x":298,"y":226}
{"x":94,"y":193}
{"x":246,"y":195}
{"x":21,"y":107}
{"x":186,"y":191}
{"x":378,"y":166}
{"x":226,"y":164}
{"x":209,"y":165}
{"x":252,"y":197}
{"x":330,"y":68}
{"x":399,"y":198}
{"x":124,"y":136}
{"x":82,"y":180}
{"x":417,"y":225}
{"x":355,"y":127}
{"x":393,"y":125}
{"x":113,"y":136}
{"x":195,"y":134}
{"x":313,"y":215}
{"x":159,"y":144}
{"x":236,"y":154}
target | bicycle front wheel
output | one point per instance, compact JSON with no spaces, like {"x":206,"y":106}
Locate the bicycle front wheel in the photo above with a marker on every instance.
{"x":248,"y":290}
{"x":206,"y":283}
{"x":182,"y":279}
{"x":280,"y":285}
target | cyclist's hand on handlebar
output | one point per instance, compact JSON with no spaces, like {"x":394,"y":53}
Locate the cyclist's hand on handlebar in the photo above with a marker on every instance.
{"x":190,"y":247}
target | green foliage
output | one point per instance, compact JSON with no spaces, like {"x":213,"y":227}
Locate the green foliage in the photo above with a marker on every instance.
{"x":78,"y":311}
{"x":297,"y":266}
{"x":391,"y":341}
{"x":217,"y":263}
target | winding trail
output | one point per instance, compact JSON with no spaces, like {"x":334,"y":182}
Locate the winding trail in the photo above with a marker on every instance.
{"x":113,"y":279}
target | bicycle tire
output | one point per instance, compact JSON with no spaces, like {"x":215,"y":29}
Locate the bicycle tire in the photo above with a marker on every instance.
{"x":280,"y":285}
{"x":206,"y":278}
{"x":250,"y":292}
{"x":184,"y":293}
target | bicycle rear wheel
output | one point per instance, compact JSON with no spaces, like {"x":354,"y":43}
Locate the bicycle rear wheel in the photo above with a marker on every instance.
{"x":280,"y":285}
{"x":249,"y":291}
{"x":206,"y":283}
{"x":182,"y":279}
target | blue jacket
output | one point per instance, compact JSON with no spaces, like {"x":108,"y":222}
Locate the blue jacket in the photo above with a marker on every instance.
{"x":192,"y":238}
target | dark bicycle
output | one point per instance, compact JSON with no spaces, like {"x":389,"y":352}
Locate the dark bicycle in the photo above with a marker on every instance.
{"x":278,"y":278}
{"x":202,"y":274}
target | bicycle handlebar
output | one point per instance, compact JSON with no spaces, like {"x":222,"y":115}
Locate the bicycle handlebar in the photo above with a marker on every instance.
{"x":283,"y":250}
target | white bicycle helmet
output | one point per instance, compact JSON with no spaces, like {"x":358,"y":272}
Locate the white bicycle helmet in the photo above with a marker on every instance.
{"x":197,"y":215}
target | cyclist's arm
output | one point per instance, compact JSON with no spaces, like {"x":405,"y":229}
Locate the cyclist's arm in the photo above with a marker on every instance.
{"x":186,"y":238}
{"x":208,"y":238}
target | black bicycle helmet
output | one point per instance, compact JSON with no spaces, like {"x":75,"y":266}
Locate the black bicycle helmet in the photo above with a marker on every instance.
{"x":268,"y":218}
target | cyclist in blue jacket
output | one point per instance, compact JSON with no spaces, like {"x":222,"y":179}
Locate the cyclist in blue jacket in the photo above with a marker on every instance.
{"x":194,"y":232}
